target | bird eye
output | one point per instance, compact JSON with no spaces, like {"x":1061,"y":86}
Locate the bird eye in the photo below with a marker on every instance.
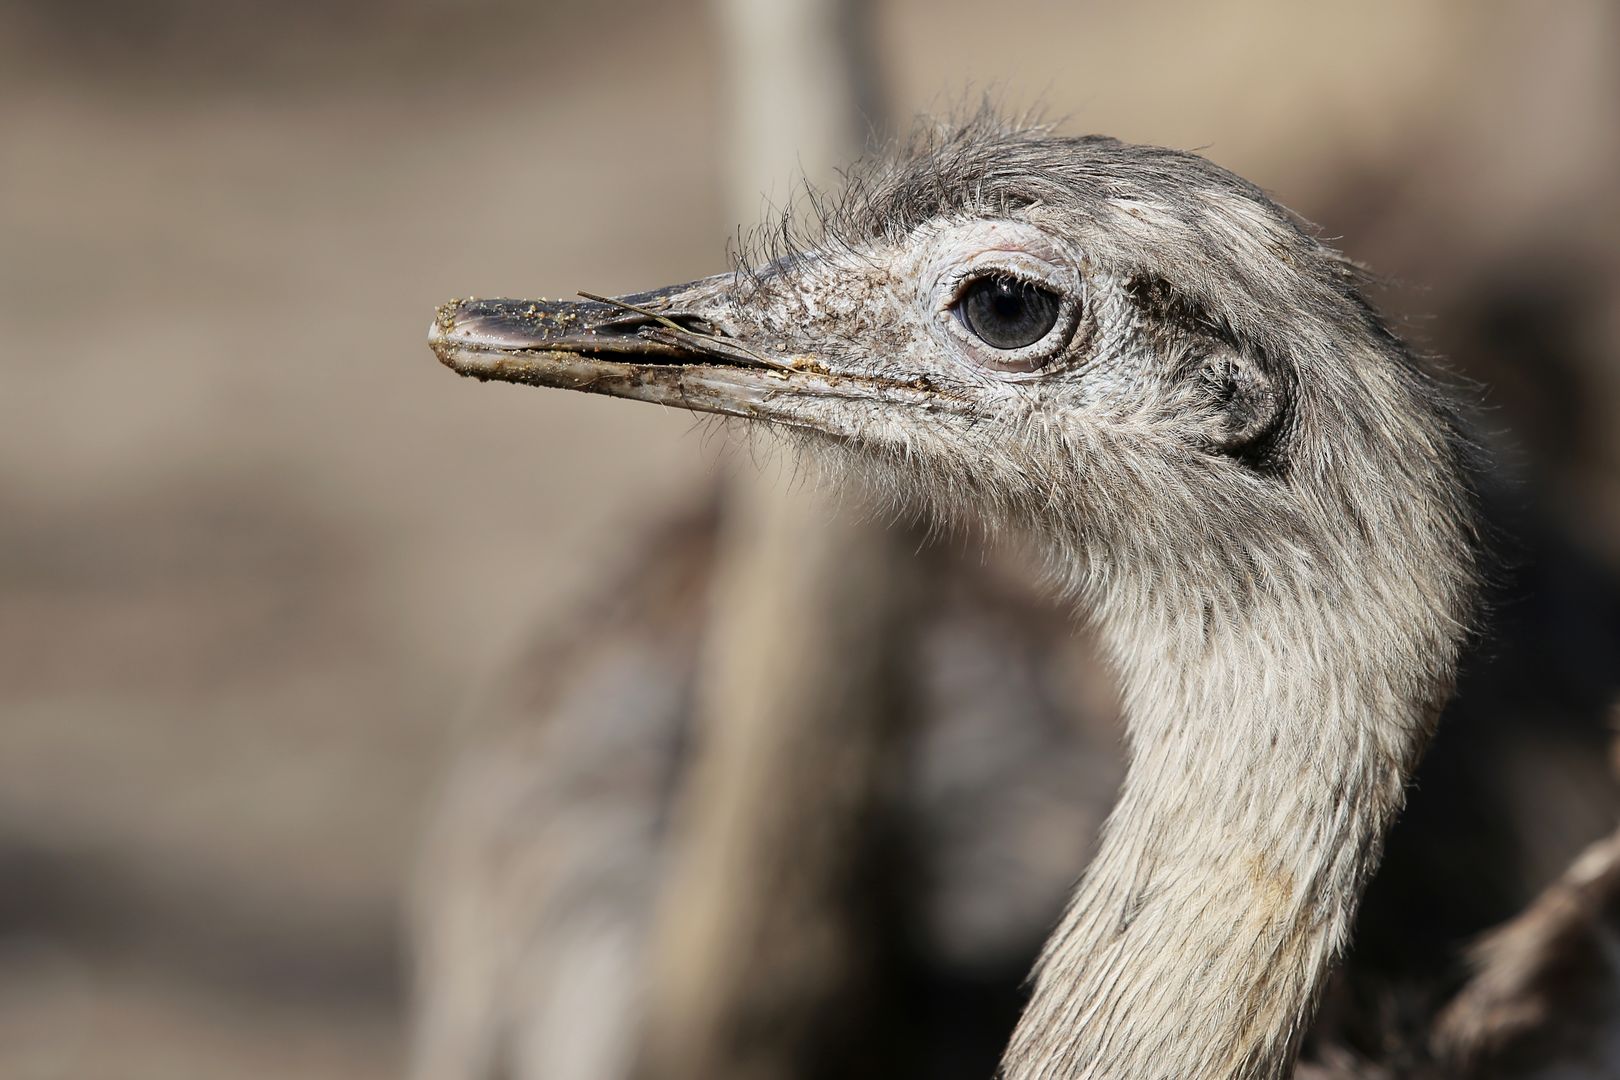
{"x":1006,"y":312}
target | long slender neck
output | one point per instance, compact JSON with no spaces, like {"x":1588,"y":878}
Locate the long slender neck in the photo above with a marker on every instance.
{"x":1261,"y":783}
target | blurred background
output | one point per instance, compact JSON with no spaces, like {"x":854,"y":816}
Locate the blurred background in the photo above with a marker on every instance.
{"x":257,"y":549}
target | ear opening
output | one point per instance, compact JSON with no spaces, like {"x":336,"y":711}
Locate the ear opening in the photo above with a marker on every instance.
{"x":1250,"y":408}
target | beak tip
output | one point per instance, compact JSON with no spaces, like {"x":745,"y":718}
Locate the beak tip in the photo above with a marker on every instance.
{"x":450,"y":346}
{"x":438,"y":336}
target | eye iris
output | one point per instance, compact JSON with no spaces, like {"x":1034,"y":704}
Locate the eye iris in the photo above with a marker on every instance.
{"x":1007,"y":313}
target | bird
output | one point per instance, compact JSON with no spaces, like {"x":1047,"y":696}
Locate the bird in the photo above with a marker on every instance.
{"x":1252,"y":491}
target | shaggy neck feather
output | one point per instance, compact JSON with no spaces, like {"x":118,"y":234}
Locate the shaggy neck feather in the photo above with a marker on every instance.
{"x":1259,"y":790}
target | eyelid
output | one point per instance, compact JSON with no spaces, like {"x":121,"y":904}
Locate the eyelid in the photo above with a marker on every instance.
{"x":1005,"y":262}
{"x":959,"y":283}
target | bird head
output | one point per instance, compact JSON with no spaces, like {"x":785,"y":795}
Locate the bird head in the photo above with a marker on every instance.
{"x":1126,"y":349}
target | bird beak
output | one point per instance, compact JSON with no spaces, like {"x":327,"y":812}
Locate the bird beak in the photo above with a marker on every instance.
{"x":672,"y":346}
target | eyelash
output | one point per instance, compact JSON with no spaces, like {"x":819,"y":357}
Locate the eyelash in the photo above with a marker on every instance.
{"x":961,"y":279}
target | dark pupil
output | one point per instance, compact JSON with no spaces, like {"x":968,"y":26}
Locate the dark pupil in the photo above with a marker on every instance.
{"x":1007,"y":313}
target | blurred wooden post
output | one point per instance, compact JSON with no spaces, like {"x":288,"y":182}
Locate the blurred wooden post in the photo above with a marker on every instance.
{"x":765,"y":937}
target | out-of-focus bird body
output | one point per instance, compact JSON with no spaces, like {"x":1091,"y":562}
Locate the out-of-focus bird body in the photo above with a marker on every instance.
{"x":538,"y":888}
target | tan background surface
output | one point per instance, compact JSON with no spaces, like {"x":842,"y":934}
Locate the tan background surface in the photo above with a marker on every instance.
{"x":256,"y":547}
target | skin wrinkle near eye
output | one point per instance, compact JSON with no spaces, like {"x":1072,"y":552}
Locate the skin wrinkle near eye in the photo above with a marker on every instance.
{"x":952,"y":257}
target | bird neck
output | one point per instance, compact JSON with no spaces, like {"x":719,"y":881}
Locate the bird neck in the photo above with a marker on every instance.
{"x":1260,"y":786}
